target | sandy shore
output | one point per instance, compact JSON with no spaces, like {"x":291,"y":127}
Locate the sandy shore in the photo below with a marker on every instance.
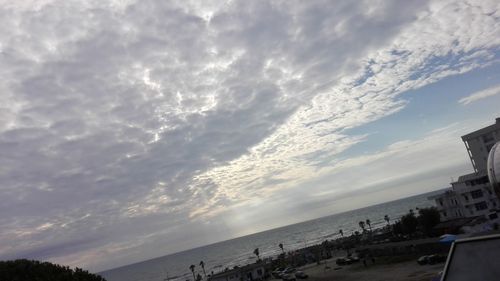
{"x":407,"y":270}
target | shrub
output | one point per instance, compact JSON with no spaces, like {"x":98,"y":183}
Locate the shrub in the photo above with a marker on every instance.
{"x":31,"y":270}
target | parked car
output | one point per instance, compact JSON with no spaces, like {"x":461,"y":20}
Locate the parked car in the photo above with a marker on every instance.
{"x":431,"y":259}
{"x":434,"y":259}
{"x":287,"y":277}
{"x":289,"y":270}
{"x":347,"y":260}
{"x":301,"y":275}
{"x":423,"y":260}
{"x":343,"y":261}
{"x":354,"y":259}
{"x":276,"y":274}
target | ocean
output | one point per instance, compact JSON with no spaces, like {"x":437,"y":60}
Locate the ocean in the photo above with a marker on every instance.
{"x":239,"y":251}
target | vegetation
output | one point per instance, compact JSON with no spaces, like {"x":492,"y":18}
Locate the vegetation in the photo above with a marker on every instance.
{"x":368,"y":222}
{"x":257,"y":253}
{"x":191,"y":267}
{"x":387,"y":219}
{"x":409,"y":223}
{"x":202,"y":264}
{"x":428,"y":218}
{"x":362,"y":225}
{"x":28,"y":270}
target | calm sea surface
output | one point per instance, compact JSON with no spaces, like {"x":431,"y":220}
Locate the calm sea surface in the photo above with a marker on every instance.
{"x":239,"y":251}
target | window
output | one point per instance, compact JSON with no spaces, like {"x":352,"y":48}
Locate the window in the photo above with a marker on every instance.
{"x":444,"y":213}
{"x":481,"y":206}
{"x":466,"y":197}
{"x":493,"y":216}
{"x":259,"y":272}
{"x":478,"y":193}
{"x":440,"y":202}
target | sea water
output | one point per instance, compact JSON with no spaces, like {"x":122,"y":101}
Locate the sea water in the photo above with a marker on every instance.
{"x":239,"y":251}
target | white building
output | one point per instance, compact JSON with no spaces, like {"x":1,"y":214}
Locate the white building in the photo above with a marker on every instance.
{"x":472,"y":195}
{"x":479,"y":144}
{"x":255,"y":271}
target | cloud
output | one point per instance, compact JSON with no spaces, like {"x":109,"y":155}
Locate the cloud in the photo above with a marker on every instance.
{"x":127,"y":121}
{"x":479,"y":95}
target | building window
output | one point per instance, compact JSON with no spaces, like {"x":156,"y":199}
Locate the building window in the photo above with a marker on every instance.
{"x":478,"y":193}
{"x":444,"y":213}
{"x":440,"y":202}
{"x":466,"y":197}
{"x":493,"y":216}
{"x":481,"y":206}
{"x":259,"y":272}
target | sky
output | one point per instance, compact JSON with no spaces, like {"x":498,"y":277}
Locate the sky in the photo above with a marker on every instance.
{"x":134,"y":129}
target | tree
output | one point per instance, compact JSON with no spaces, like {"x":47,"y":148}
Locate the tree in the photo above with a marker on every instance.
{"x":362,"y":225}
{"x":43,"y":271}
{"x":387,"y":219}
{"x":341,"y":233}
{"x":202,"y":264}
{"x":397,"y":228}
{"x":428,"y":218}
{"x":192,"y":271}
{"x":281,"y":247}
{"x":256,"y":252}
{"x":368,"y":222}
{"x":409,"y":223}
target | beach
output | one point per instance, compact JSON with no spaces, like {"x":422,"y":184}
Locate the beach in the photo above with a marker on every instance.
{"x":407,"y":270}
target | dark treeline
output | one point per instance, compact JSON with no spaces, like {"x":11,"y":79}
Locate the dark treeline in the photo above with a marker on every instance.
{"x":31,"y":270}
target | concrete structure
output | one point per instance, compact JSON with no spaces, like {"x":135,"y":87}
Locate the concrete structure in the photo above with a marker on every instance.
{"x":472,"y":195}
{"x":494,"y":168}
{"x":479,"y":144}
{"x":255,"y":271}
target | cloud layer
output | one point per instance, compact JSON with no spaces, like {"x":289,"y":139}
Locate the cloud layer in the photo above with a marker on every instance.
{"x":123,"y":123}
{"x":479,"y":95}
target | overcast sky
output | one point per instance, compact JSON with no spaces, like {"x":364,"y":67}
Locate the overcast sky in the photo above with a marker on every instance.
{"x":134,"y":129}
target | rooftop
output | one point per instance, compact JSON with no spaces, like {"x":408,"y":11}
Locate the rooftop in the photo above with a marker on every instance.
{"x":483,"y":131}
{"x":472,"y":176}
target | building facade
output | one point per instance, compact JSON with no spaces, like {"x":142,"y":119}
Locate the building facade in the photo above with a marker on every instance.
{"x":479,"y":144}
{"x":255,"y":271}
{"x":472,"y":195}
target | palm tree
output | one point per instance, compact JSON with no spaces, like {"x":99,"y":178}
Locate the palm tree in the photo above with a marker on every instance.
{"x":362,"y":225}
{"x":341,"y":233}
{"x":256,"y":252}
{"x":202,"y":264}
{"x":368,"y":222}
{"x":387,"y":219}
{"x":281,"y":247}
{"x":192,"y":271}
